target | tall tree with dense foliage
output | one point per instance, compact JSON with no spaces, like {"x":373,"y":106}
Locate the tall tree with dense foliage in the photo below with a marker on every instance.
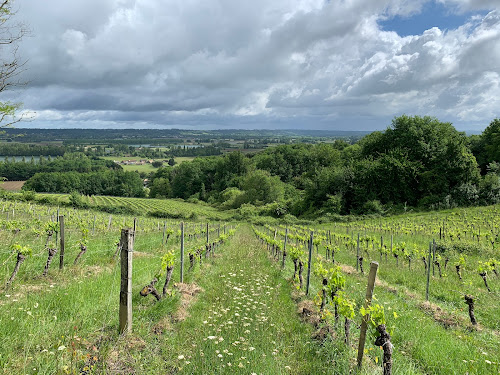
{"x":487,"y":149}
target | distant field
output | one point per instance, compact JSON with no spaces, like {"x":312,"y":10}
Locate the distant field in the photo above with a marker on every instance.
{"x":182,"y":159}
{"x":12,"y":185}
{"x":144,"y":167}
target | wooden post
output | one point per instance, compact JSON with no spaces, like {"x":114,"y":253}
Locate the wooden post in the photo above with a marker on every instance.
{"x":207,"y":234}
{"x":428,"y":273}
{"x":109,"y":222}
{"x":182,"y":253}
{"x":127,"y":240}
{"x":164,"y":228}
{"x":61,"y":253}
{"x":368,"y":301}
{"x":357,"y":255}
{"x":309,"y":263}
{"x":93,"y":227}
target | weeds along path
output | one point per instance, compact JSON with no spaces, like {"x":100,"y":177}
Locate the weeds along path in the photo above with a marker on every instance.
{"x":244,"y":322}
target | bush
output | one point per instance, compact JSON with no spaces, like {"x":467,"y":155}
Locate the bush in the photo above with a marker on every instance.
{"x":76,"y":200}
{"x":247,"y":211}
{"x":48,"y":200}
{"x":372,"y":207}
{"x":28,"y":195}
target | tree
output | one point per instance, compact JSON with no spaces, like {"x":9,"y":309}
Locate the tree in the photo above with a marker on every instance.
{"x":10,"y":64}
{"x":488,"y":148}
{"x":420,"y":159}
{"x":260,"y":188}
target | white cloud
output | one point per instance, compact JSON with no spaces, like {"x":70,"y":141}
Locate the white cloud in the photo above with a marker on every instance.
{"x":223,"y":61}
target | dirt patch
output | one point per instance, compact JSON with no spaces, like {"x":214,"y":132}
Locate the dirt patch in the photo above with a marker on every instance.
{"x":188,"y":293}
{"x":297,"y":295}
{"x":323,"y":333}
{"x":347,"y":269}
{"x":439,"y":315}
{"x":119,"y":361}
{"x":162,"y":326}
{"x":308,"y":312}
{"x":12,"y":185}
{"x":139,"y":254}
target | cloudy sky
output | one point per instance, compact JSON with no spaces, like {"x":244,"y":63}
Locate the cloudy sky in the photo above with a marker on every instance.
{"x":315,"y":64}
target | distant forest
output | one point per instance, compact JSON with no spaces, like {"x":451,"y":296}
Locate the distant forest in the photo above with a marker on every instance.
{"x":417,"y":162}
{"x":169,"y":136}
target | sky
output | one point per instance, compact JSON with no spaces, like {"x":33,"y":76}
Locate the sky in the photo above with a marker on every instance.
{"x":280,"y":64}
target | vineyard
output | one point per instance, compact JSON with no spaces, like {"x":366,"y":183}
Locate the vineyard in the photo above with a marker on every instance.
{"x":170,"y":208}
{"x":434,"y":308}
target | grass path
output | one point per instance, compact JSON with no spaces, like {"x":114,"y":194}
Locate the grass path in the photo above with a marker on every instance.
{"x":244,"y":322}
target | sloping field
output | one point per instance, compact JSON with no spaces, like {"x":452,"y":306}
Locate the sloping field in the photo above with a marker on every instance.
{"x":161,"y":208}
{"x":12,"y":185}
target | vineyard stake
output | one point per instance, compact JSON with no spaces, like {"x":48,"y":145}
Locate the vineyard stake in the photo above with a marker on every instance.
{"x":61,"y":253}
{"x":392,"y":238}
{"x":109,"y":222}
{"x":207,"y":234}
{"x":93,"y":227}
{"x":127,"y":241}
{"x":182,"y":252}
{"x":428,"y":273}
{"x":164,"y":228}
{"x":368,"y":301}
{"x":309,"y":263}
{"x":284,"y":248}
{"x":135,"y":228}
{"x":57,"y":221}
{"x":357,"y":255}
{"x":433,"y":256}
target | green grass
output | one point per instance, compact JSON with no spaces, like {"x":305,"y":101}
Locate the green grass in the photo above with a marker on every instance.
{"x":425,"y":341}
{"x":59,"y":323}
{"x":245,"y":322}
{"x":182,"y":159}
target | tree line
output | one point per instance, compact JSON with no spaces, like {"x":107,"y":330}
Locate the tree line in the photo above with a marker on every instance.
{"x":13,"y":170}
{"x":416,"y":162}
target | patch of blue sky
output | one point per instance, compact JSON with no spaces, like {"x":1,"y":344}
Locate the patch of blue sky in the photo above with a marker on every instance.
{"x":433,"y":14}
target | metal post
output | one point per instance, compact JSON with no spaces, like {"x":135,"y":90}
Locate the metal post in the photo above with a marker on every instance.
{"x":433,"y":256}
{"x":357,"y":255}
{"x":182,"y":253}
{"x":309,"y":263}
{"x":284,"y":248}
{"x":428,"y":273}
{"x":61,"y":253}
